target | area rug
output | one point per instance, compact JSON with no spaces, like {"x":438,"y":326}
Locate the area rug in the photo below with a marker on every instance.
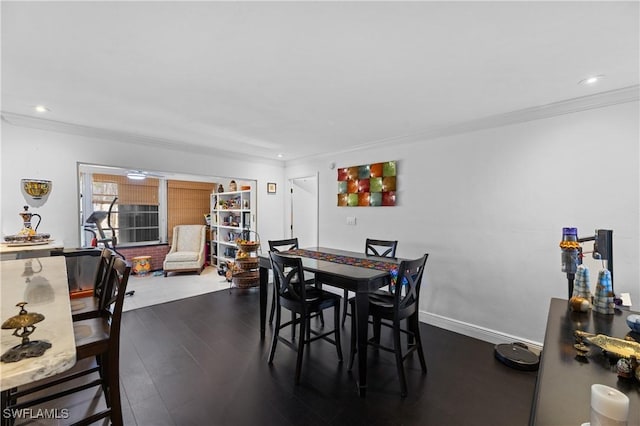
{"x":154,"y":289}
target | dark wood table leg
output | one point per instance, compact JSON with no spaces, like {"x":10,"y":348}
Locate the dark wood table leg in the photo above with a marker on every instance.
{"x":362,"y":326}
{"x":7,"y":417}
{"x":264,"y":288}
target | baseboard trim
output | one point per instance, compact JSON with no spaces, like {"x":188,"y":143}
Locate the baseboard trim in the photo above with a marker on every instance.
{"x":472,"y":330}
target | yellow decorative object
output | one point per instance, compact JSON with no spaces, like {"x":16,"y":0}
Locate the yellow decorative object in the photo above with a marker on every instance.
{"x":247,"y":245}
{"x":27,"y":231}
{"x":36,"y":188}
{"x":579,"y":304}
{"x":617,"y":347}
{"x":141,"y":265}
{"x":23,"y":326}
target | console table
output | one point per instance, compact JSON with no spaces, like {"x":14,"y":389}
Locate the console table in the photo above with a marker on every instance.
{"x":563,"y":389}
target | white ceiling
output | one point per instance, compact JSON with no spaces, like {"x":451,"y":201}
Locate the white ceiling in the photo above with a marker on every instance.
{"x":306,"y":78}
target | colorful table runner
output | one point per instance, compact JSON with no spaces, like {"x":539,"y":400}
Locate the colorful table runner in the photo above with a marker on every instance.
{"x":379,"y":265}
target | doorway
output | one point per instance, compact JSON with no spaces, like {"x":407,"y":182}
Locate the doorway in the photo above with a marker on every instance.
{"x":304,"y":210}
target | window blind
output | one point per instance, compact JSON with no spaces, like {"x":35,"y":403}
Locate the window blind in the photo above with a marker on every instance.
{"x":187,"y":203}
{"x":132,"y":192}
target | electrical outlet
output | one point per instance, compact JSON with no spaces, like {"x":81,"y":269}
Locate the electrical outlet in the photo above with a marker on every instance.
{"x":351,"y":220}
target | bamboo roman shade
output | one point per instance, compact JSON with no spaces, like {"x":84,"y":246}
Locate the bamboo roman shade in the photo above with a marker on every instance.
{"x":132,"y":192}
{"x":187,"y":203}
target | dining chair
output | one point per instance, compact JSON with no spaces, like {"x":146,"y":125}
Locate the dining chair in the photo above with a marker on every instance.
{"x":372,"y":247}
{"x":90,"y":307}
{"x":278,"y":246}
{"x":389,"y":309}
{"x":98,"y":338}
{"x":305,"y":301}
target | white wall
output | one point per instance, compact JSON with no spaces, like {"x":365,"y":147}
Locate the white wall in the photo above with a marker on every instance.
{"x":489,"y":208}
{"x":41,"y":154}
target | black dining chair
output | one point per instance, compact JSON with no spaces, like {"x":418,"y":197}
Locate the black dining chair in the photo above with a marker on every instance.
{"x":90,"y":307}
{"x":278,"y":246}
{"x":389,"y":309}
{"x":305,"y":302}
{"x":372,"y":247}
{"x":97,"y":338}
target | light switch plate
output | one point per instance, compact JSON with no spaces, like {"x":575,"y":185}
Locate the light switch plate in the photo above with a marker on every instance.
{"x":351,"y":220}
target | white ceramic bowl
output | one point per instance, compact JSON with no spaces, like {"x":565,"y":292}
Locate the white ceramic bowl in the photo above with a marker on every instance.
{"x":633,"y":321}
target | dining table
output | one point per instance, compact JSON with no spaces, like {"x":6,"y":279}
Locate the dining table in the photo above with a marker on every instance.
{"x":42,"y":283}
{"x":348,"y":270}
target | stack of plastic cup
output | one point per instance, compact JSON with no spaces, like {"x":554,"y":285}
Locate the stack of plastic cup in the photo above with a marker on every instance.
{"x":603,"y":298}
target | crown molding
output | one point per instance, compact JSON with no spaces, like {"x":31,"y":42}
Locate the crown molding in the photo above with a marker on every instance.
{"x":555,"y":109}
{"x":126,"y":137}
{"x":569,"y":106}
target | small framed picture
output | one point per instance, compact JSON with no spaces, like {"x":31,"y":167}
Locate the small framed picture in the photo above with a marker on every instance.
{"x":271,"y":188}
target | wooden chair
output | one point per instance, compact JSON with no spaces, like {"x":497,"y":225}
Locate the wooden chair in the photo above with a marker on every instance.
{"x":90,"y":307}
{"x":98,"y":338}
{"x":278,"y":246}
{"x":380,"y":248}
{"x":283,"y":245}
{"x":303,"y":300}
{"x":394,"y":307}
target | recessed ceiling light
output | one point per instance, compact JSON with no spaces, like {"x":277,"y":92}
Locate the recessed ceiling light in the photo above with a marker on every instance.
{"x":41,"y":108}
{"x":280,"y":155}
{"x":589,"y":81}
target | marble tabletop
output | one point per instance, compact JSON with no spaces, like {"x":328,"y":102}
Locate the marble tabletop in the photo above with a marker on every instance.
{"x":10,"y":251}
{"x":42,"y":283}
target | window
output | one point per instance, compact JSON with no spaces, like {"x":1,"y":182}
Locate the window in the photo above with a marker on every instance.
{"x":146,"y":210}
{"x":135,"y":215}
{"x":138,"y":223}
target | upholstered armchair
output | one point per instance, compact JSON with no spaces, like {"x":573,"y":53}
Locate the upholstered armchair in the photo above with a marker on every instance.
{"x":187,"y":249}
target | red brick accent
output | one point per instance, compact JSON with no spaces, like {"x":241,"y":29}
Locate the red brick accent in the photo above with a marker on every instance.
{"x":157,"y":253}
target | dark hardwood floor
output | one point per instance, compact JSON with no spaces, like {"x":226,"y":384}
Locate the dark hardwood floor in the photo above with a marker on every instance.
{"x":200,"y":361}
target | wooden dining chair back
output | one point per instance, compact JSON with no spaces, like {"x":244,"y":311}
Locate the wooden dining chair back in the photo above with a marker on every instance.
{"x":407,"y":287}
{"x":372,"y":247}
{"x":89,"y":307}
{"x":102,"y":274}
{"x":278,"y":246}
{"x":283,"y":245}
{"x":389,"y":309}
{"x":99,"y":338}
{"x":382,"y":248}
{"x":306,"y":301}
{"x":114,"y":294}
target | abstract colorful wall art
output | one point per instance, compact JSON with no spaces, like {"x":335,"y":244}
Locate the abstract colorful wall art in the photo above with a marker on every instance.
{"x":369,"y":185}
